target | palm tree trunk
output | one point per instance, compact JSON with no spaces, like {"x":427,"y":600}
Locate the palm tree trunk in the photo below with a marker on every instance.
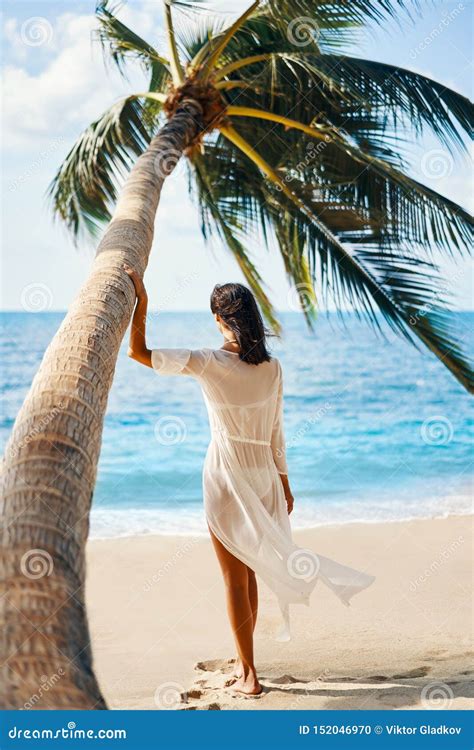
{"x":51,"y":458}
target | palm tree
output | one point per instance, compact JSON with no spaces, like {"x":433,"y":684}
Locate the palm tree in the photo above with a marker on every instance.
{"x":283,"y":135}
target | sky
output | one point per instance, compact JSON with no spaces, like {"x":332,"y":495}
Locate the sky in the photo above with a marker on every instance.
{"x":55,"y":83}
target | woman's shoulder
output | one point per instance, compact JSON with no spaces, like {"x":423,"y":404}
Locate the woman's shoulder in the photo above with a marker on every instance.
{"x":276,"y":363}
{"x":227,"y":355}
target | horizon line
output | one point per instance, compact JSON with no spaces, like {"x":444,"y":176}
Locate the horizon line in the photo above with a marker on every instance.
{"x":205,"y":309}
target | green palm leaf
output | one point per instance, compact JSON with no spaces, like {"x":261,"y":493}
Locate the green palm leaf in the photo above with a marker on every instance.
{"x":84,"y":190}
{"x":397,"y":207}
{"x":216,"y":218}
{"x":395,"y":91}
{"x":121,"y":43}
{"x":402,"y":287}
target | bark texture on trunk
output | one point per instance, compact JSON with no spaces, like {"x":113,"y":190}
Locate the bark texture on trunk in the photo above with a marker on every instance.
{"x":50,"y":462}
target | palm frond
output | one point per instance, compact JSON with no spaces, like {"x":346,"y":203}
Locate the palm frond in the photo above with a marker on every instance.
{"x":346,"y":91}
{"x":218,"y":44}
{"x":215,"y":218}
{"x":195,"y":30}
{"x":121,"y":43}
{"x":401,"y":286}
{"x":84,"y":189}
{"x":177,"y":72}
{"x":399,"y":207}
{"x":397,"y":92}
{"x":334,"y":14}
{"x":296,"y":265}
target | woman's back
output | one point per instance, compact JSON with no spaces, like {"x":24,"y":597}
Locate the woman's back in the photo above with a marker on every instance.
{"x":240,"y":397}
{"x":244,"y":401}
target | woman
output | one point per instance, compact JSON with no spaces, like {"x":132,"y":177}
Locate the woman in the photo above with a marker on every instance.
{"x":247,"y":494}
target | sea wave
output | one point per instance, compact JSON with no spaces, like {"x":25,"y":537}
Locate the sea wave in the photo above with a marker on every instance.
{"x":107,"y":523}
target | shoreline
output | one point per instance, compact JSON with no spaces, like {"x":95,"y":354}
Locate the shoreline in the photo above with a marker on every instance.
{"x":303,"y":524}
{"x":159,"y":628}
{"x":296,"y":529}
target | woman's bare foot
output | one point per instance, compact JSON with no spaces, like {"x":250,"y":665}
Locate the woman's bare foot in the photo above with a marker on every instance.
{"x":247,"y":685}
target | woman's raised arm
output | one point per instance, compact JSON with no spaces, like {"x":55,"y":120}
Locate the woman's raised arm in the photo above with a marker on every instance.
{"x":138,"y":349}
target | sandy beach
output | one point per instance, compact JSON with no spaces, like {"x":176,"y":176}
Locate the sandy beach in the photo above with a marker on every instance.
{"x":161,"y":638}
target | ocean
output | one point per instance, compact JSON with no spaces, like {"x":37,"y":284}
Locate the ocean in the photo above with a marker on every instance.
{"x":376,"y":430}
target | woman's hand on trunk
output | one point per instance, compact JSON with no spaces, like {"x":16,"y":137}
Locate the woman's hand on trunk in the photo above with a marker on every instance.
{"x":137,"y":281}
{"x":138,"y":349}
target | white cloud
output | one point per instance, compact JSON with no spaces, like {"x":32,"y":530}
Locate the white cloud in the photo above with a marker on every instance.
{"x":72,"y":89}
{"x":12,"y":39}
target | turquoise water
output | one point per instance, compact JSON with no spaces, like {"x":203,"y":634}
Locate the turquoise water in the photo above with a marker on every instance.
{"x":376,"y":430}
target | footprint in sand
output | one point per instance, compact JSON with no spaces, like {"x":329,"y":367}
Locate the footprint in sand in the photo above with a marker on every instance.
{"x":438,"y":655}
{"x":410,"y":675}
{"x":215,"y":665}
{"x":417,"y":672}
{"x":194,"y":694}
{"x":202,"y":707}
{"x":285,"y":679}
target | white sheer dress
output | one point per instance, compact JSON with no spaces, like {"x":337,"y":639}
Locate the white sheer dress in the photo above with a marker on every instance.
{"x":243,"y":494}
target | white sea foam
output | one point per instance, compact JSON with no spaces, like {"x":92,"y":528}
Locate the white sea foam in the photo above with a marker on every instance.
{"x":113,"y":522}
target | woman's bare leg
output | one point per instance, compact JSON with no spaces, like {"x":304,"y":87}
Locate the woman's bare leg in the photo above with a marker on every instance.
{"x":253,"y":598}
{"x":241,"y":615}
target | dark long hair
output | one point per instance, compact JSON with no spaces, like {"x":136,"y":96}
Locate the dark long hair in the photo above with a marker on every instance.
{"x":237,"y":307}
